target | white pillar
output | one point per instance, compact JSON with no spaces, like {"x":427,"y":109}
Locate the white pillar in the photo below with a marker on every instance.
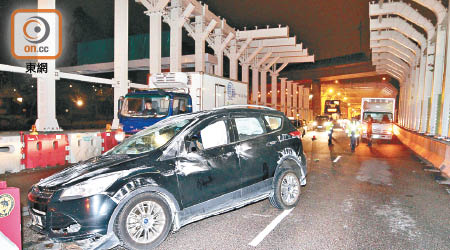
{"x":274,"y":88}
{"x":176,"y":25}
{"x":46,"y":100}
{"x":245,"y":73}
{"x":155,"y":40}
{"x":445,"y":121}
{"x":255,"y":85}
{"x":421,"y":85}
{"x":233,"y":56}
{"x":289,"y":98}
{"x":437,"y":80}
{"x":121,"y":53}
{"x":415,"y":96}
{"x":264,"y":88}
{"x":219,"y":53}
{"x":427,"y":87}
{"x":283,"y":95}
{"x":199,"y":44}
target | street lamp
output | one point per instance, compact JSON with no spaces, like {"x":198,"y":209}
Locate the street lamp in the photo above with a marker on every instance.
{"x":20,"y":99}
{"x":330,"y":90}
{"x":79,"y":102}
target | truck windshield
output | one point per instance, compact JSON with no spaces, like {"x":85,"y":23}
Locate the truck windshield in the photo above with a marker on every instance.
{"x":151,"y":138}
{"x":379,"y":117}
{"x":146,"y":106}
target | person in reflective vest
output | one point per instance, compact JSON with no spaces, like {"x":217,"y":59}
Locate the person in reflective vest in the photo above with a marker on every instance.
{"x":329,"y":128}
{"x":353,"y":131}
{"x":369,"y":130}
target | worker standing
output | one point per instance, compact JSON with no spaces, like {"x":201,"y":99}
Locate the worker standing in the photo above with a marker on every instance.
{"x":369,"y":130}
{"x":329,"y":128}
{"x":353,"y":131}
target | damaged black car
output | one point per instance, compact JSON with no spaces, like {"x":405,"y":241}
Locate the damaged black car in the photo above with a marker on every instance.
{"x":178,"y":171}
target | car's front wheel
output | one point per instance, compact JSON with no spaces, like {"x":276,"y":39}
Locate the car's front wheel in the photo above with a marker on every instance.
{"x":144,"y":222}
{"x":286,"y":192}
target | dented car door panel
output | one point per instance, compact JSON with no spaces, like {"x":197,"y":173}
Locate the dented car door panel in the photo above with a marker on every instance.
{"x":211,"y":172}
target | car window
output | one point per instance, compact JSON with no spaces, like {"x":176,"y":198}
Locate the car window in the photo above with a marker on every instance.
{"x":213,"y":135}
{"x":273,"y":121}
{"x":248,"y":127}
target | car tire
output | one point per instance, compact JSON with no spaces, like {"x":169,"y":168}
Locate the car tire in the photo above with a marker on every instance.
{"x":156,"y":211}
{"x":287,"y":184}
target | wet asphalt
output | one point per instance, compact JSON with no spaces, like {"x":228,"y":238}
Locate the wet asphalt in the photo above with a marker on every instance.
{"x":375,"y":198}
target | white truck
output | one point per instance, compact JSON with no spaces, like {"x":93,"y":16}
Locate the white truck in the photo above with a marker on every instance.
{"x":382,"y":111}
{"x":176,"y":93}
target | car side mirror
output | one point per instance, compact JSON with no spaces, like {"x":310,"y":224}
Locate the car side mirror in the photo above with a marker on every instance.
{"x":191,"y":146}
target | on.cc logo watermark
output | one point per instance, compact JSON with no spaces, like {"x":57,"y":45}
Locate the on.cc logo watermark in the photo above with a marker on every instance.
{"x":36,"y":34}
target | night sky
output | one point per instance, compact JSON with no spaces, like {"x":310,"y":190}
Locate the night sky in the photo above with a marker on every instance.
{"x":328,"y":28}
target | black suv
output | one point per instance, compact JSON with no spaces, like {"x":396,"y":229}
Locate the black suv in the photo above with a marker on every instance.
{"x":178,"y":171}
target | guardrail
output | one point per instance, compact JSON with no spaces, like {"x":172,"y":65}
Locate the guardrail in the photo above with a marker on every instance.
{"x":435,"y":151}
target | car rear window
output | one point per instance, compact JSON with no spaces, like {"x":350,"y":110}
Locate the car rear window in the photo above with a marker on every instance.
{"x":273,"y":121}
{"x":248,"y":127}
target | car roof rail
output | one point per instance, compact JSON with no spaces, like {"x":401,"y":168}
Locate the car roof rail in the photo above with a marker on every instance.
{"x":245,"y":106}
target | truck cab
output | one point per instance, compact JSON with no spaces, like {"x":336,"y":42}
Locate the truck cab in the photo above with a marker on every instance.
{"x":145,"y":108}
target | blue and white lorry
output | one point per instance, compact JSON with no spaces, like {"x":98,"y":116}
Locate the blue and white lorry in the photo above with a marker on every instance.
{"x":177,"y":93}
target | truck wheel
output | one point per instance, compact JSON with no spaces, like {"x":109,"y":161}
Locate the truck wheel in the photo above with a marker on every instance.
{"x":287,"y":190}
{"x":144,"y":222}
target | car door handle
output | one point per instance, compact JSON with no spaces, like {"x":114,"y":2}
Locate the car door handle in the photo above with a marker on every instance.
{"x":271,"y":143}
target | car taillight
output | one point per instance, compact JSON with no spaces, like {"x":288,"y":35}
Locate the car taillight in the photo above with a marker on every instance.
{"x":296,"y":133}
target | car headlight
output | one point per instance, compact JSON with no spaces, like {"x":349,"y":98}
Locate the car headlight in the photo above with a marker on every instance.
{"x":90,"y":187}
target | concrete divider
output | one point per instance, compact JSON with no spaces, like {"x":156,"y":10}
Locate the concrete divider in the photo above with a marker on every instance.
{"x":435,"y":151}
{"x":10,"y":153}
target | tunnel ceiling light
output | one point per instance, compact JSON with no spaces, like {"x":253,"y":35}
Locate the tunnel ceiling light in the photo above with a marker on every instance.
{"x":336,"y":81}
{"x":330,"y":91}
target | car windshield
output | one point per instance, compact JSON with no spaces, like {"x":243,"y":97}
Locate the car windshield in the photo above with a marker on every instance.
{"x":151,"y":138}
{"x":379,"y":117}
{"x":146,"y":106}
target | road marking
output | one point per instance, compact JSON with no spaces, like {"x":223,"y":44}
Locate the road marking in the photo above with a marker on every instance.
{"x":337,"y":159}
{"x":269,"y":228}
{"x":435,"y":170}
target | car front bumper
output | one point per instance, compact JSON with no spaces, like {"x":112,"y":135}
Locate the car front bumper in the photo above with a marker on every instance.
{"x":70,"y":220}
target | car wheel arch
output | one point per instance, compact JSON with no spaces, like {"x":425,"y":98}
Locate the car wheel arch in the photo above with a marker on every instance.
{"x":289,"y":162}
{"x":166,"y":195}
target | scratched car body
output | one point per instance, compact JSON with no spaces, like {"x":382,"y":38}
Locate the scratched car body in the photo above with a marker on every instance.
{"x":178,"y":171}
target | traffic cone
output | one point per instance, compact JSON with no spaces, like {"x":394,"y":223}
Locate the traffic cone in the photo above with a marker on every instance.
{"x":314,"y":137}
{"x":33,"y":130}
